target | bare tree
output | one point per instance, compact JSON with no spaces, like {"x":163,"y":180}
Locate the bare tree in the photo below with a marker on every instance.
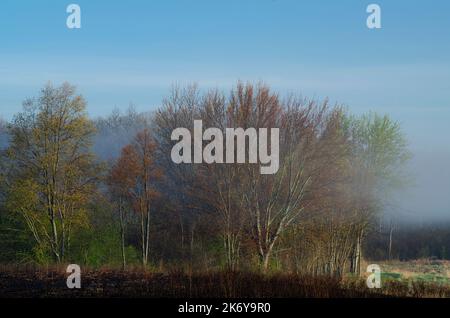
{"x":136,"y":173}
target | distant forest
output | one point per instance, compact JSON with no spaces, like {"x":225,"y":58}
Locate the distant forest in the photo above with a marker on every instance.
{"x":105,"y":192}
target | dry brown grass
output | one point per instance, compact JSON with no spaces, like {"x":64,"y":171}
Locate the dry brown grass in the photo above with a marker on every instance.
{"x":51,"y":282}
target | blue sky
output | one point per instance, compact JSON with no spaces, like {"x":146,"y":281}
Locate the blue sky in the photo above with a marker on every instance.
{"x":133,"y":51}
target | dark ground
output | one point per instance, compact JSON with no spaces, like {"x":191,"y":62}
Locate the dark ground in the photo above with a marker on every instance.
{"x":51,"y":283}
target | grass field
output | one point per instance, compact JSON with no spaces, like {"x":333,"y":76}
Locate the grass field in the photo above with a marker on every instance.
{"x":427,"y":271}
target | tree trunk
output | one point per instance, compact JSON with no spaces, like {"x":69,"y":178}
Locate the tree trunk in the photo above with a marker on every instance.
{"x":192,"y":245}
{"x":54,"y":238}
{"x":355,"y":262}
{"x":390,"y":242}
{"x":265,"y":264}
{"x":358,"y":254}
{"x":143,"y":238}
{"x":265,"y":257}
{"x":147,"y":237}
{"x":122,"y":233}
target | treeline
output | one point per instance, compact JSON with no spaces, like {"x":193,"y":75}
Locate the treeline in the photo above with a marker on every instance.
{"x":409,"y":242}
{"x":106,"y":191}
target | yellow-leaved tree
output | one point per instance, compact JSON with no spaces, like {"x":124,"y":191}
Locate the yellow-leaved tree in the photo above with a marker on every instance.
{"x":52,"y":171}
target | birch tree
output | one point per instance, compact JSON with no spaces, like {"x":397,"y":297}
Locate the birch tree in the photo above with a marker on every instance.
{"x":137,"y":173}
{"x":121,"y":181}
{"x":51,"y":165}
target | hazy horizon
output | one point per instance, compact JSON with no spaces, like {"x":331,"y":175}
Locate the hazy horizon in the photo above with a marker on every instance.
{"x":133,"y":52}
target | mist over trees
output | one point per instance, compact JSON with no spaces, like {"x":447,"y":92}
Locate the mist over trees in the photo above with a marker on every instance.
{"x":106,"y":192}
{"x":3,"y":134}
{"x":116,"y":130}
{"x":430,"y":240}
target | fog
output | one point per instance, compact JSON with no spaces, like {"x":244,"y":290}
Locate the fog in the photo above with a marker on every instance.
{"x":424,"y":198}
{"x":427,"y":198}
{"x":3,"y":134}
{"x":116,"y":130}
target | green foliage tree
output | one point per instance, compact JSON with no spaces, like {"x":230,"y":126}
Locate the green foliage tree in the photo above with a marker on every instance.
{"x":51,"y":169}
{"x":379,"y":152}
